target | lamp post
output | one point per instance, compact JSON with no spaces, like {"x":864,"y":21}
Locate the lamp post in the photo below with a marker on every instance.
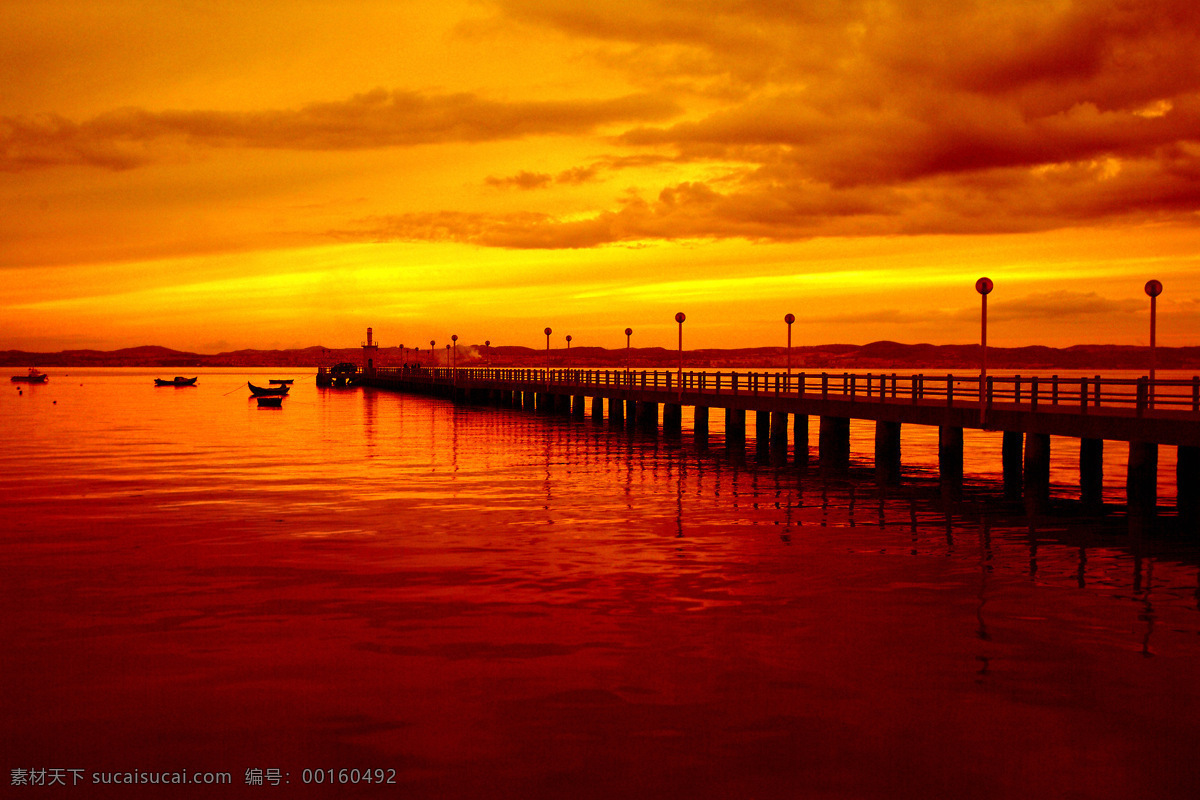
{"x":628,"y":334}
{"x":487,"y":354}
{"x":680,"y":317}
{"x":547,"y":332}
{"x":789,"y":319}
{"x":1154,"y":289}
{"x":454,"y":338}
{"x":984,"y":287}
{"x":432,"y":354}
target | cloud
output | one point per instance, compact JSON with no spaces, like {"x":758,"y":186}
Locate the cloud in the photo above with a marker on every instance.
{"x":762,"y":206}
{"x":522,"y":180}
{"x":915,"y":116}
{"x":541,"y":180}
{"x":125,"y":138}
{"x":1060,"y":306}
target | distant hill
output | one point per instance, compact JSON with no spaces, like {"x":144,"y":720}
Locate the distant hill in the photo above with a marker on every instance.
{"x":876,"y":355}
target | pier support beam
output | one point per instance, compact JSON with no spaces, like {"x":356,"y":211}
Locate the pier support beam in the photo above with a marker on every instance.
{"x":672,"y":420}
{"x":700,"y":426}
{"x":762,"y":433}
{"x":735,"y":431}
{"x":950,"y":458}
{"x":1091,"y":473}
{"x":1141,"y":482}
{"x":578,"y":404}
{"x":528,"y":400}
{"x":887,"y":452}
{"x":1187,"y":491}
{"x":834,"y":443}
{"x":779,"y":433}
{"x":616,"y":412}
{"x":647,"y":416}
{"x":597,"y":409}
{"x":1011,"y":454}
{"x":631,"y":413}
{"x":1037,"y":472}
{"x":800,"y":439}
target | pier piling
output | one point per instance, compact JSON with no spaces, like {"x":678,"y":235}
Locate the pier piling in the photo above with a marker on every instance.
{"x":887,"y":452}
{"x":1091,"y":473}
{"x":1037,"y":472}
{"x":834,"y":443}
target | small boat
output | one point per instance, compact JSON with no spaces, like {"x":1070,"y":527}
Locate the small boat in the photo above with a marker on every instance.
{"x":33,"y":377}
{"x":270,"y":401}
{"x":282,"y":381}
{"x":176,"y":381}
{"x":261,"y":391}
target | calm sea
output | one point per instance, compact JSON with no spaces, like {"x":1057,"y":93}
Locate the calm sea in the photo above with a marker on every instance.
{"x":475,"y":602}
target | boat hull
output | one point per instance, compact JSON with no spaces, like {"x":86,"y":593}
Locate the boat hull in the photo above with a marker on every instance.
{"x":261,"y":391}
{"x":177,"y":381}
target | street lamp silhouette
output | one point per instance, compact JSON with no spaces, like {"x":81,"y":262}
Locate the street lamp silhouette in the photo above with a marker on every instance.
{"x":487,"y":354}
{"x":548,"y":332}
{"x":984,"y":286}
{"x":432,"y":353}
{"x":680,"y":317}
{"x":454,"y":338}
{"x":568,"y":348}
{"x":1154,"y":289}
{"x":789,"y":319}
{"x":628,"y":334}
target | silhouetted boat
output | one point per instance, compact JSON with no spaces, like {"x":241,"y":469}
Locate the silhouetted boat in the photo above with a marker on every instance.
{"x":176,"y":381}
{"x":261,"y":391}
{"x":33,"y":377}
{"x":270,"y":401}
{"x":282,"y":381}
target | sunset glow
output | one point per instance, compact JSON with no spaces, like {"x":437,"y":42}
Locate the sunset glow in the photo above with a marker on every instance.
{"x":214,"y":176}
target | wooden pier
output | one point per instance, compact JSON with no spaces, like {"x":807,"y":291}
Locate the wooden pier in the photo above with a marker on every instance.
{"x":1140,"y":413}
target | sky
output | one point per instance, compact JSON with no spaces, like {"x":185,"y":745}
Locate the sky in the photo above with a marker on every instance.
{"x":209,"y":175}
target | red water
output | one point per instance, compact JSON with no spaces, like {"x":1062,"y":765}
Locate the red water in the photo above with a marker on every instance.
{"x":492,"y":603}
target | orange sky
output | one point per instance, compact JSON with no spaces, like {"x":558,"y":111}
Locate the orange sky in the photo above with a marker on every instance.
{"x":217,"y":175}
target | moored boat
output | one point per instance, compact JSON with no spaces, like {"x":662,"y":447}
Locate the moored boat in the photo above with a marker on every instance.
{"x":281,"y":381}
{"x":262,"y":391}
{"x":270,"y":401}
{"x":176,"y":381}
{"x":33,"y":377}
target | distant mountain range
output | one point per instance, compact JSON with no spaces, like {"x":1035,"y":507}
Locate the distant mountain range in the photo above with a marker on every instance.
{"x":877,"y":355}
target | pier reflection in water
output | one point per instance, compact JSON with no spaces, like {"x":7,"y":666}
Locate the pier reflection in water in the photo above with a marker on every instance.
{"x":501,"y":603}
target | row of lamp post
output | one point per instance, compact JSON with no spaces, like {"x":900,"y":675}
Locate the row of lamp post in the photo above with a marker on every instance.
{"x":984,"y":286}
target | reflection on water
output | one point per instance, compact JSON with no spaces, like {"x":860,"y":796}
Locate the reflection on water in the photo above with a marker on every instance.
{"x":493,"y":602}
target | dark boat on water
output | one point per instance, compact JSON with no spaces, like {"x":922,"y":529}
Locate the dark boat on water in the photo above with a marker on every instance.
{"x":176,"y":381}
{"x":281,"y":381}
{"x":261,"y":391}
{"x":33,"y":377}
{"x":270,"y":401}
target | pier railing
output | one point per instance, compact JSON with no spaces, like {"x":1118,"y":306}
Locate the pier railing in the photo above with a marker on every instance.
{"x":1079,"y":395}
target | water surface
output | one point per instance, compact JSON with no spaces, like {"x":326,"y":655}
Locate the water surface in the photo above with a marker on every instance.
{"x":494,"y":603}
